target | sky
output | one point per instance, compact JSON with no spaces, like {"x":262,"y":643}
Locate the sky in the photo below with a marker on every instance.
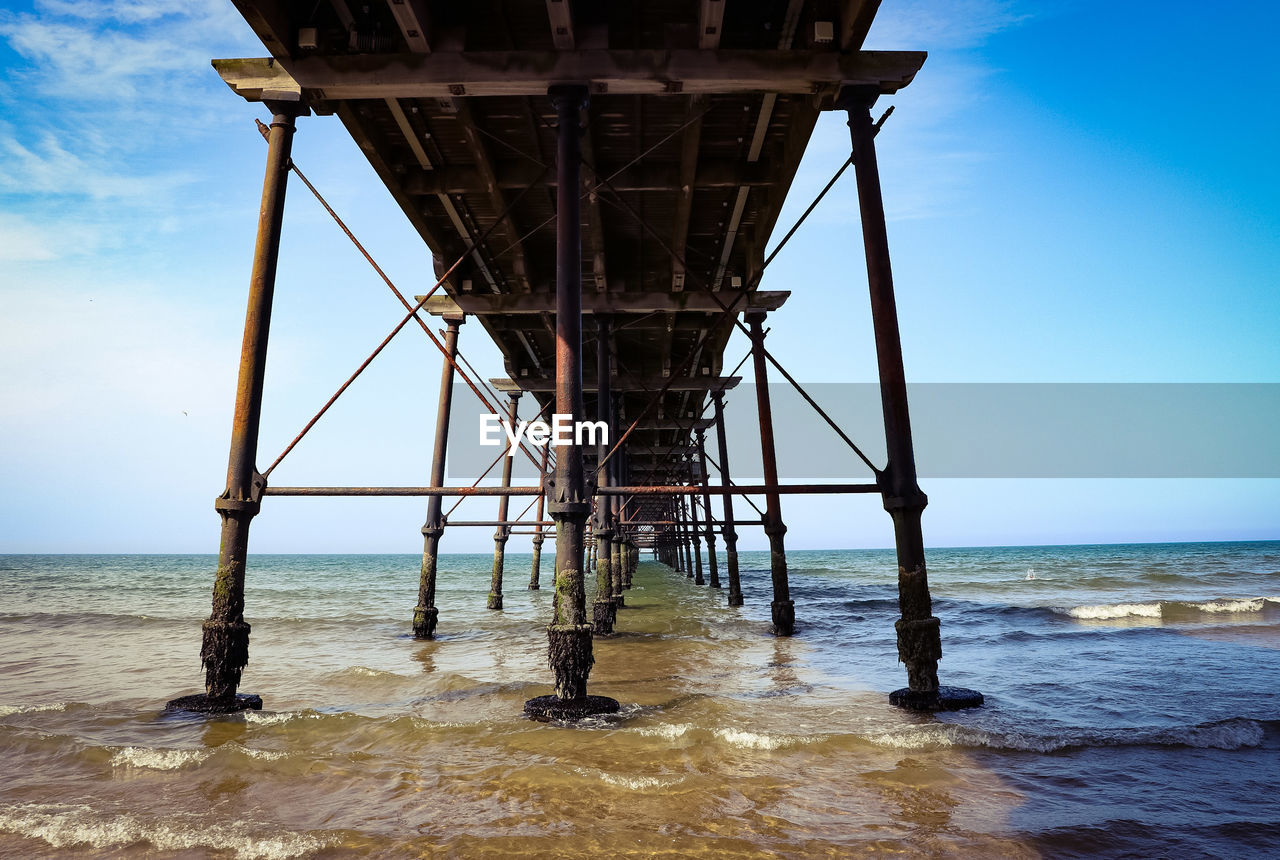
{"x":1077,"y":191}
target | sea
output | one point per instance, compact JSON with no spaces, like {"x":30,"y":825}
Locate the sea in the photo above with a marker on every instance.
{"x":1132,"y":710}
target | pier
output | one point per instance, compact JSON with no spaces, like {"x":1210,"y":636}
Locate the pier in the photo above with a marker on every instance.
{"x":597,"y":184}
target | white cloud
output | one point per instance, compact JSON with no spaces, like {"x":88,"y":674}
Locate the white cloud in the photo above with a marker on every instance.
{"x":933,"y":25}
{"x":22,"y":242}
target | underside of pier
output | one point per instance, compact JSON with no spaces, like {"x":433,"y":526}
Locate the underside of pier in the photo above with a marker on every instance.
{"x":597,"y":184}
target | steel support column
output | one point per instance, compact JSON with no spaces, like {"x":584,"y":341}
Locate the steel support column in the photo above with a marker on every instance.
{"x":919,"y":640}
{"x":500,"y":536}
{"x":695,"y":541}
{"x":569,"y":651}
{"x":713,"y":579}
{"x":224,"y":649}
{"x":783,"y":607}
{"x":535,"y":572}
{"x":604,"y":611}
{"x":425,"y":613}
{"x":730,"y":536}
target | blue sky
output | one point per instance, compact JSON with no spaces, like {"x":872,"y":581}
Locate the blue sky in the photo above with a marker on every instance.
{"x":1077,"y":191}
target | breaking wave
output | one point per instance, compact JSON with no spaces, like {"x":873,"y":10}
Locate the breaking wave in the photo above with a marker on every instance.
{"x":1230,"y":734}
{"x":1171,"y":609}
{"x":66,"y":826}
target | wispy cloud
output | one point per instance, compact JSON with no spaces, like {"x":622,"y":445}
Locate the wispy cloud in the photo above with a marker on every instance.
{"x":929,"y":157}
{"x":933,"y":25}
{"x":21,"y":241}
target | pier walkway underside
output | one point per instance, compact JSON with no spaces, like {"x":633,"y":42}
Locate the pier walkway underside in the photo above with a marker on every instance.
{"x":597,"y":184}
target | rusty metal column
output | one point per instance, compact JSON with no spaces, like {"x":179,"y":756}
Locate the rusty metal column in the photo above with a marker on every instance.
{"x":569,"y":649}
{"x":224,"y":649}
{"x":535,"y":574}
{"x":713,"y":579}
{"x":425,"y":613}
{"x":503,"y":531}
{"x":682,"y":538}
{"x":605,"y":609}
{"x":695,"y":539}
{"x":615,"y":516}
{"x":730,"y":536}
{"x":783,"y":607}
{"x":919,"y":640}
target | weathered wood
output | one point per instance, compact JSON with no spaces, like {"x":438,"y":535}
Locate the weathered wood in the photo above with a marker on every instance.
{"x":445,"y":74}
{"x":412,"y":18}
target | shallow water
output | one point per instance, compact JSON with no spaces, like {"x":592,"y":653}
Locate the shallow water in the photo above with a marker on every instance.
{"x":1131,"y":711}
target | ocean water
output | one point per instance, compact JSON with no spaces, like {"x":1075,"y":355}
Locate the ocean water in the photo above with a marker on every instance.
{"x":1132,"y":711}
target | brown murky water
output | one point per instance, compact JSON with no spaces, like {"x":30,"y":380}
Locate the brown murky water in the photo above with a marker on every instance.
{"x":731,"y":743}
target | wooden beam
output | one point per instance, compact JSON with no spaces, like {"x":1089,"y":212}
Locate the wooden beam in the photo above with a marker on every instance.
{"x":690,"y":144}
{"x":410,"y":134}
{"x":271,"y":24}
{"x":507,"y":234}
{"x":412,"y":18}
{"x":697,"y":301}
{"x":442,"y":74}
{"x":855,"y":20}
{"x":710,"y":23}
{"x":561,"y":18}
{"x":411,"y":205}
{"x":595,"y":223}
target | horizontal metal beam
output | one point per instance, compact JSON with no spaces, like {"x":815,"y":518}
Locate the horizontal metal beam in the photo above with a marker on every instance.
{"x":739,"y":490}
{"x":678,"y":490}
{"x":402,"y":491}
{"x":448,"y":74}
{"x":604,"y":303}
{"x":633,"y":384}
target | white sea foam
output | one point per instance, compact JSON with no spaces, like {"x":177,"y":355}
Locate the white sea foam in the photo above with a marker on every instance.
{"x":158,"y":759}
{"x":64,"y":826}
{"x":670,"y":731}
{"x":1116,"y":610}
{"x":1228,"y":735}
{"x":366,"y":672}
{"x":275,"y":719}
{"x":635,"y":783}
{"x":1251,"y":605}
{"x":1225,"y":605}
{"x":756,"y":740}
{"x":6,"y":710}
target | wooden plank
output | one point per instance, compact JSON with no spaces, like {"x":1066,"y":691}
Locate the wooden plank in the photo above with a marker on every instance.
{"x":410,"y":135}
{"x":561,"y":18}
{"x":442,"y":74}
{"x":412,"y":17}
{"x":710,"y":23}
{"x":696,"y":301}
{"x":855,"y":21}
{"x":506,"y":233}
{"x":689,"y":146}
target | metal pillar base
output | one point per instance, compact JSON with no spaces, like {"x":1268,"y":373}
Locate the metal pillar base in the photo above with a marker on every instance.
{"x":941,"y":699}
{"x":202,"y":703}
{"x":424,"y":622}
{"x":536,"y":573}
{"x":735,"y":599}
{"x":546,"y":709}
{"x":784,"y":617}
{"x":604,"y":612}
